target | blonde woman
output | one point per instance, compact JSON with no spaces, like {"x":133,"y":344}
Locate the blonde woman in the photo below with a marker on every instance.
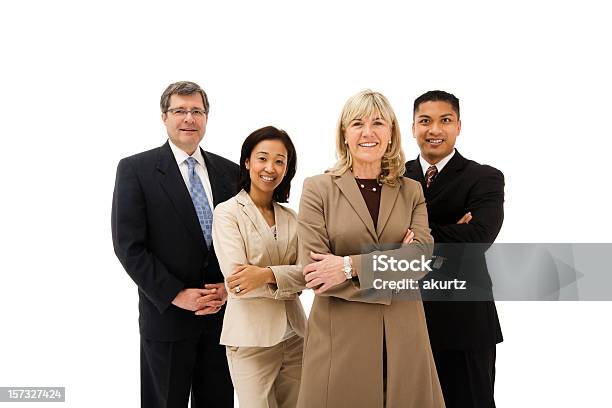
{"x":364,"y":349}
{"x":256,"y":244}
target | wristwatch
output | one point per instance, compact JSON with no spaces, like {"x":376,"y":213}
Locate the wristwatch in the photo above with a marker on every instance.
{"x":347,"y":269}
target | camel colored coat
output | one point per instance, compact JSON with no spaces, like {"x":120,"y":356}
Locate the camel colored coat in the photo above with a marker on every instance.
{"x":242,"y":236}
{"x":343,"y":352}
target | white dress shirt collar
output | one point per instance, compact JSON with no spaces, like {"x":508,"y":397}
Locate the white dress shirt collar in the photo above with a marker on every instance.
{"x":180,"y":155}
{"x":439,"y":165}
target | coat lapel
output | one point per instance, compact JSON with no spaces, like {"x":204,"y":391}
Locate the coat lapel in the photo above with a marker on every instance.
{"x":221,"y":190}
{"x":448,"y":173}
{"x":282,"y":233}
{"x":414,"y":171}
{"x":388,"y":196}
{"x":261,"y":226}
{"x":348,"y":187}
{"x":173,"y":184}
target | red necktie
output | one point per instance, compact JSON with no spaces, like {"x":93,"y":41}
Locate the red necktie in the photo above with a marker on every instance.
{"x":430,"y":175}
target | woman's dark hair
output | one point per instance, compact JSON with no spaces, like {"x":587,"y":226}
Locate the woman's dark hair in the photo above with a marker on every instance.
{"x":281,"y":193}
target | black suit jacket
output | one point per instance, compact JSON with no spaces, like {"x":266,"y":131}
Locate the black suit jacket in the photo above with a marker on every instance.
{"x":463,"y":185}
{"x":158,"y":239}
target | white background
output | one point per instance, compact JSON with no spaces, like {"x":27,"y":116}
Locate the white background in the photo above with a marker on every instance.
{"x":80,"y":89}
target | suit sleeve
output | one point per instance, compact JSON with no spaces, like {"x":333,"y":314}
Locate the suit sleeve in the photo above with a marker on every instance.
{"x":486,"y":203}
{"x":129,"y":231}
{"x":312,"y":235}
{"x":289,"y":281}
{"x":231,"y":252}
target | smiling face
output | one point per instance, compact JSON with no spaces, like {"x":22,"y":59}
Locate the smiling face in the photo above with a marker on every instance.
{"x":185,"y":131}
{"x":267,"y":166}
{"x":367,"y":138}
{"x":435,"y":128}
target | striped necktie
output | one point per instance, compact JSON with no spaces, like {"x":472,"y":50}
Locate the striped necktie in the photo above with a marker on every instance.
{"x":430,"y":175}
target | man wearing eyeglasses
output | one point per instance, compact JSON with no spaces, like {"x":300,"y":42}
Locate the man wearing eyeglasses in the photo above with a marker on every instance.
{"x":161,"y":227}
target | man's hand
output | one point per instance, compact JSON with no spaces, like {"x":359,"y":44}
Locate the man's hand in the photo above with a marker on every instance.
{"x":220,"y":288}
{"x":249,"y":277}
{"x":326,"y":272}
{"x":465,"y":219}
{"x":191,"y":298}
{"x":212,"y":302}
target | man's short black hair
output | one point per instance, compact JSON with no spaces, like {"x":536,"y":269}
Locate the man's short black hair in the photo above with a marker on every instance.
{"x":437,"y":96}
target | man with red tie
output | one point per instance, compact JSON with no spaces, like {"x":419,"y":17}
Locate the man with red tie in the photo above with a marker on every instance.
{"x":465,"y":206}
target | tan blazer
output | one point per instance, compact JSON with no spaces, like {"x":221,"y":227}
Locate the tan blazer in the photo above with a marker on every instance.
{"x":343,"y":352}
{"x":242,"y":236}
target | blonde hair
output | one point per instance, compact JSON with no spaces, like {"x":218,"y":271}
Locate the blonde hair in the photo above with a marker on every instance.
{"x":364,"y":104}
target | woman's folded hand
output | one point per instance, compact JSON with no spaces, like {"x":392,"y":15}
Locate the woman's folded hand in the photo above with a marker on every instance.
{"x":246,"y":278}
{"x":325,"y":273}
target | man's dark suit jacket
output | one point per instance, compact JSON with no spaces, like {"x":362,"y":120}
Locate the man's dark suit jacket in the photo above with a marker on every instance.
{"x":158,"y":239}
{"x":463,"y":185}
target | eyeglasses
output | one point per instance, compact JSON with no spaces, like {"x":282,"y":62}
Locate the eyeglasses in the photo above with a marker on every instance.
{"x":181,"y":113}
